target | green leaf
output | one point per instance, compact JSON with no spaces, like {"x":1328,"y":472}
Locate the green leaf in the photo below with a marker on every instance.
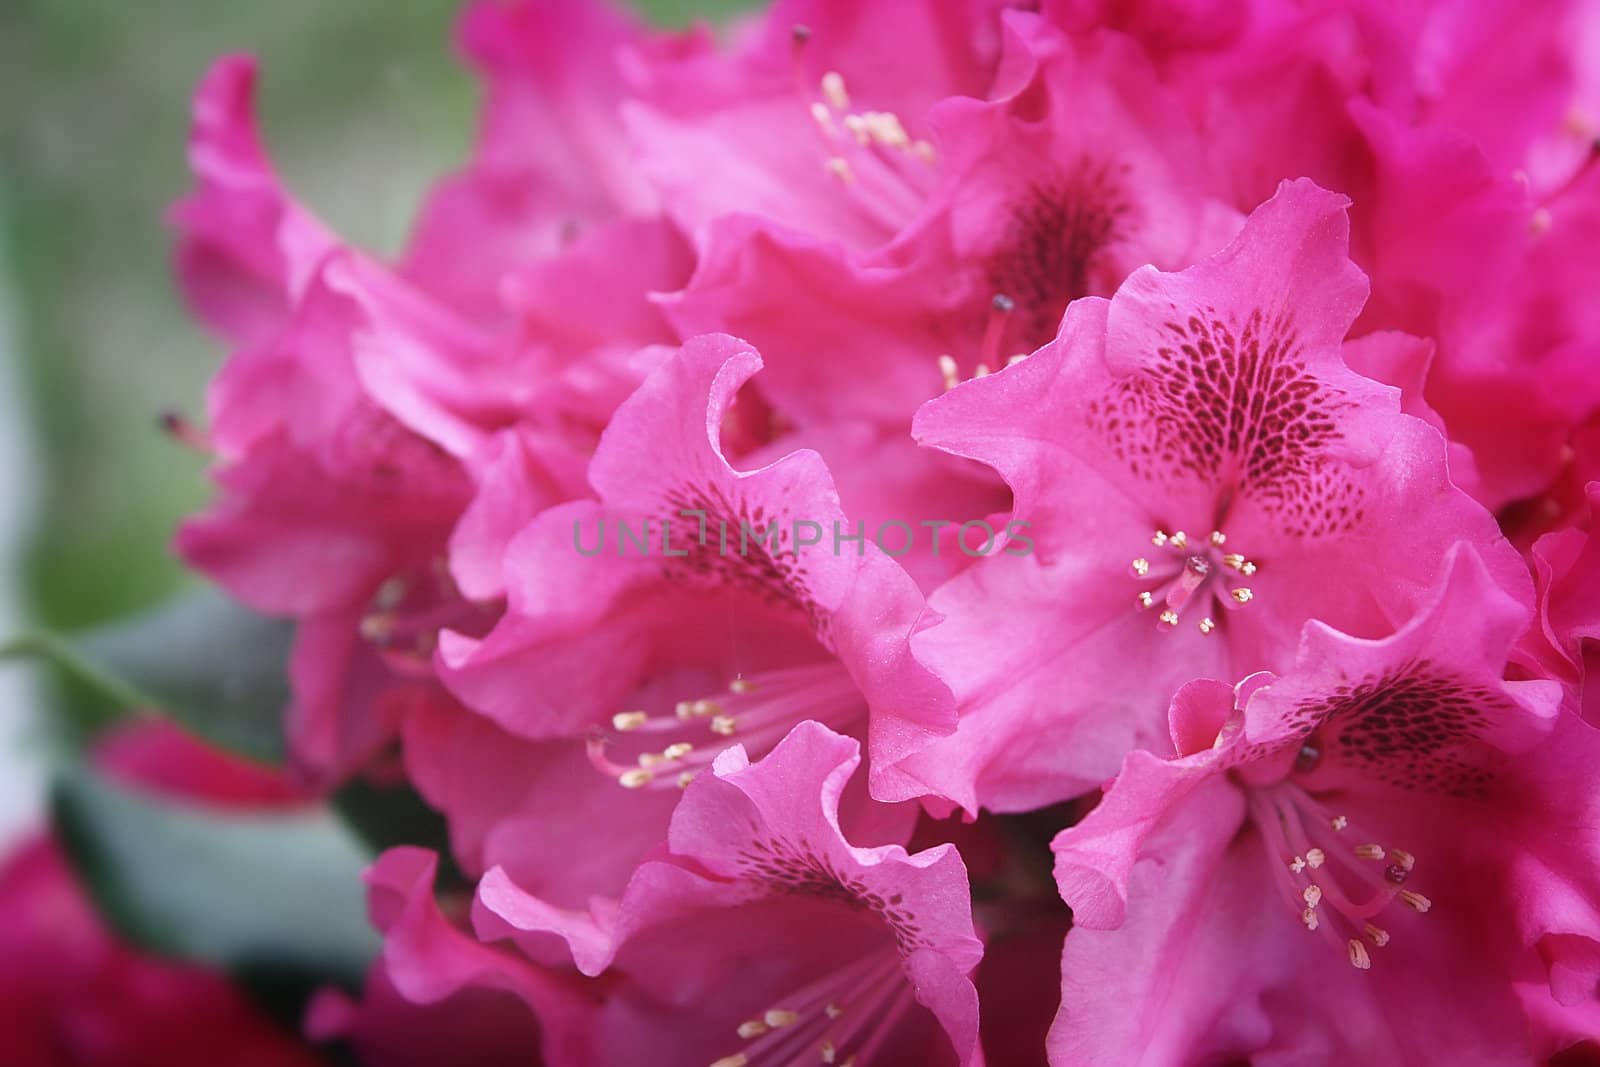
{"x":276,"y":894}
{"x":213,"y":666}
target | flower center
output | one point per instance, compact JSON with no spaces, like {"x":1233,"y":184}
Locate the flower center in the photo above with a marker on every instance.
{"x":408,"y":611}
{"x":1192,"y":578}
{"x":1339,"y":877}
{"x":843,"y":1018}
{"x":886,"y":172}
{"x":757,"y":710}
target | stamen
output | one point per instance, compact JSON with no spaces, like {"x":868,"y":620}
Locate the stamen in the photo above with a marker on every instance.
{"x":1378,"y":935}
{"x":1207,"y":624}
{"x":1141,"y":567}
{"x":752,"y":1028}
{"x":637,"y":778}
{"x":724,"y":725}
{"x":738,"y":1059}
{"x":1358,"y":956}
{"x":1315,"y":857}
{"x":1338,"y":822}
{"x":1145,"y":600}
{"x":777,"y":1018}
{"x":625,"y":721}
{"x":1370,"y":852}
{"x":1218,"y":538}
{"x":839,"y":167}
{"x":950,"y":372}
{"x":1242,"y":595}
{"x":1312,"y":895}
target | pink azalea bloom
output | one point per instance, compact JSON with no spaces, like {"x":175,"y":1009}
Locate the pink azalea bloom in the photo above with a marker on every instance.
{"x":817,"y":120}
{"x":641,"y":638}
{"x":761,"y":935}
{"x":1385,"y":855}
{"x":362,"y":419}
{"x":1083,"y":169}
{"x":1202,"y":473}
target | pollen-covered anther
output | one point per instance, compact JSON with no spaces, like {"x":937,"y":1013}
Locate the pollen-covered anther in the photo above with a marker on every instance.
{"x":1146,"y":599}
{"x":833,"y":90}
{"x":1140,"y":567}
{"x":1415,"y":901}
{"x":1377,"y":935}
{"x":1315,"y":858}
{"x":827,"y":1051}
{"x":950,"y":372}
{"x":623,"y":721}
{"x":1242,"y":594}
{"x":1370,"y":852}
{"x":724,"y":725}
{"x":1358,"y":956}
{"x":1218,"y":538}
{"x":684,"y":779}
{"x":676,"y":751}
{"x":1180,"y":539}
{"x":1312,"y":895}
{"x":637,"y":778}
{"x":1309,"y":917}
{"x":1207,"y":624}
{"x":1169,"y":618}
{"x":1338,"y":822}
{"x":697,"y":709}
{"x":778,"y":1018}
{"x":1402,"y":858}
{"x":738,"y":1059}
{"x":752,"y":1028}
{"x":823,"y":118}
{"x":742,"y":686}
{"x":1297,"y":864}
{"x":839,"y":167}
{"x":1159,"y":538}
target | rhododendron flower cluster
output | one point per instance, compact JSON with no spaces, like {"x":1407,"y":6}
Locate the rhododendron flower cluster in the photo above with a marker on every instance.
{"x":951,"y":531}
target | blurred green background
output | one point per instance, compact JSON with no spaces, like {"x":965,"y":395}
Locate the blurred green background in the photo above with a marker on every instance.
{"x":363,"y":102}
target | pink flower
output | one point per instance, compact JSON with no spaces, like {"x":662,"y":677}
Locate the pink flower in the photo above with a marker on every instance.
{"x":817,"y":121}
{"x":1202,"y":473}
{"x":691,"y":607}
{"x":365,"y":427}
{"x":763,"y":936}
{"x":1081,"y":170}
{"x":1385,"y":855}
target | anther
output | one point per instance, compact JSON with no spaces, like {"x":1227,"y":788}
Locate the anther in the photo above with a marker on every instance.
{"x":828,"y":1052}
{"x":1403,"y":858}
{"x":833,"y":89}
{"x":1146,"y":599}
{"x":1338,"y":822}
{"x":1180,"y":539}
{"x":1358,"y":956}
{"x":839,"y":167}
{"x":624,"y":721}
{"x":1218,"y":538}
{"x":1315,"y":857}
{"x":799,"y":33}
{"x":1312,"y":895}
{"x":1242,"y":595}
{"x":1377,"y":934}
{"x":1415,"y":901}
{"x":1141,"y":567}
{"x":738,"y":1059}
{"x":637,"y":778}
{"x":684,"y":779}
{"x":833,"y":1011}
{"x":752,"y":1028}
{"x":1207,"y":624}
{"x":1003,"y":303}
{"x":741,"y":686}
{"x":1159,"y":538}
{"x":1297,"y":864}
{"x":949,"y":371}
{"x":778,"y":1018}
{"x":677,"y":751}
{"x":1370,"y":852}
{"x":1309,"y":917}
{"x":1169,"y":618}
{"x":724,"y":725}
